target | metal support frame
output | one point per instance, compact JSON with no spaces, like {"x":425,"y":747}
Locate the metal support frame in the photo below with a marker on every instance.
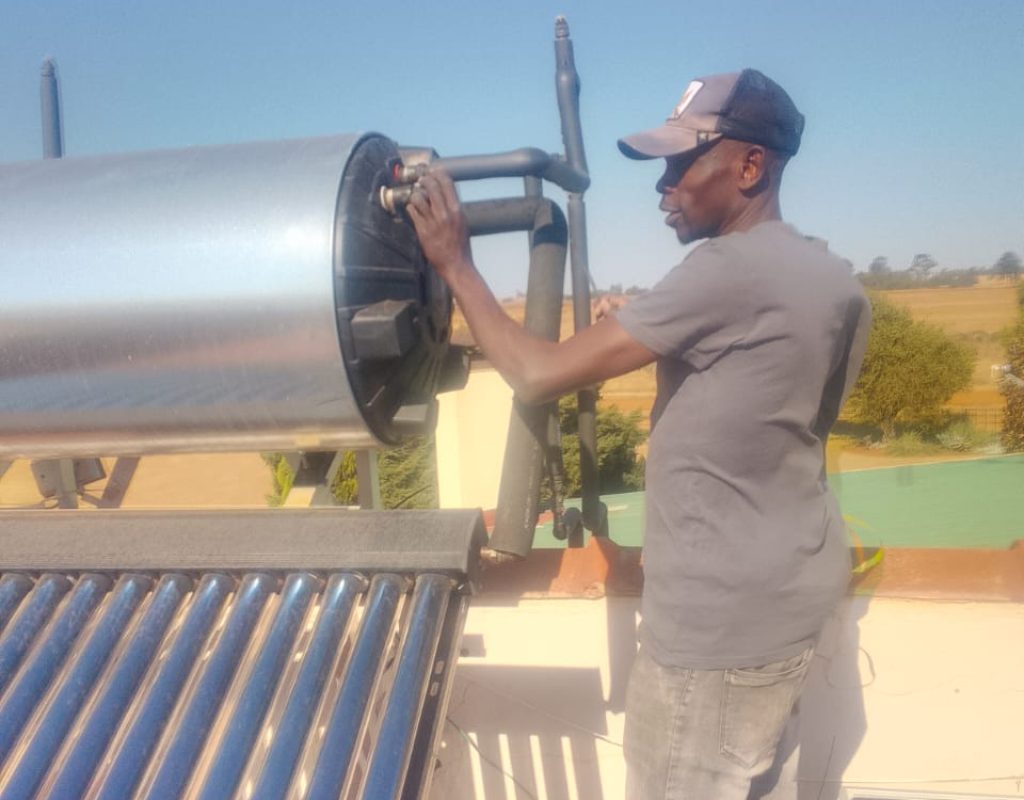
{"x":315,"y":474}
{"x":368,"y":479}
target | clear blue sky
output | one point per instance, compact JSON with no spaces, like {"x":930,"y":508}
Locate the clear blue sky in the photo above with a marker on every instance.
{"x":914,"y":109}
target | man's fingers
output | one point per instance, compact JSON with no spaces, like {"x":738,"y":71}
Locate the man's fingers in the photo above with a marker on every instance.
{"x":418,"y":199}
{"x":414,"y":214}
{"x":441,"y":192}
{"x":430,"y":185}
{"x":451,"y":197}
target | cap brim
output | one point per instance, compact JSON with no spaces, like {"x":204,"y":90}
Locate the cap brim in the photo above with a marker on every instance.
{"x":668,"y":140}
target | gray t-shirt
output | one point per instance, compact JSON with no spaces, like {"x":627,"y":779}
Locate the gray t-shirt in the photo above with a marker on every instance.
{"x":759,"y":336}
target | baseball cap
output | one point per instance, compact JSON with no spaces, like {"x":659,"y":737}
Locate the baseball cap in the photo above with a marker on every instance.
{"x":746,"y":105}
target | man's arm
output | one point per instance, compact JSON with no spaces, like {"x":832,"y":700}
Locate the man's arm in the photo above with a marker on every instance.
{"x":536,"y":369}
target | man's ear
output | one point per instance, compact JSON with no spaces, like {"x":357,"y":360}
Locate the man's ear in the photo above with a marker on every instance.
{"x":752,"y":174}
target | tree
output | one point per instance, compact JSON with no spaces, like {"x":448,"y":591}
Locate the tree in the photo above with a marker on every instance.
{"x":911,"y":369}
{"x":879,"y":266}
{"x":1008,"y":265}
{"x":1011,"y":387}
{"x":618,"y":437}
{"x":922,"y":264}
{"x":408,"y":474}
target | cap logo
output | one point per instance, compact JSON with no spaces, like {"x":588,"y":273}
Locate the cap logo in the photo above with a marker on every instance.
{"x":686,"y":99}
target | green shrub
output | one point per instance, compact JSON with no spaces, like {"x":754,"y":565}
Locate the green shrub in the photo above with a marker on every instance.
{"x":1013,"y":416}
{"x":408,"y":474}
{"x":910,"y":371}
{"x":282,"y":477}
{"x":910,"y":443}
{"x":962,"y":437}
{"x":619,"y":435}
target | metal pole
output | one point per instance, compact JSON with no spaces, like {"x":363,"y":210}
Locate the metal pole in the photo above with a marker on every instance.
{"x":66,"y":487}
{"x":49,"y":96}
{"x":567,"y":86}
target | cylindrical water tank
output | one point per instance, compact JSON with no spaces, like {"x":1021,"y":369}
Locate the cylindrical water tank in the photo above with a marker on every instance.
{"x":238,"y":297}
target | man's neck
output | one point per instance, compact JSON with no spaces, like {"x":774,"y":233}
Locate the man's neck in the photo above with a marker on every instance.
{"x":753,"y":213}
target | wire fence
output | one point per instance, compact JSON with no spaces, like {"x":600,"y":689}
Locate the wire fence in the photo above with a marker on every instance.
{"x":982,"y":418}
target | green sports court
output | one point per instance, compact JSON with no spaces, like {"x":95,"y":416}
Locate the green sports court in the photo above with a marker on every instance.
{"x":969,"y":503}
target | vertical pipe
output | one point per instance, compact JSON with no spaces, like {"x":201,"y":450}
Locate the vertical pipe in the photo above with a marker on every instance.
{"x":247,"y":719}
{"x":47,"y":658}
{"x":528,"y":430}
{"x":75,"y":687}
{"x":345,"y":724}
{"x":533,"y":187}
{"x":49,"y":97}
{"x":595,"y":517}
{"x":338,"y":602}
{"x":79,"y":765}
{"x":393,"y":749}
{"x":140,"y":740}
{"x":567,"y":87}
{"x":190,"y":737}
{"x":35,"y":613}
{"x":567,"y":90}
{"x":13,"y":589}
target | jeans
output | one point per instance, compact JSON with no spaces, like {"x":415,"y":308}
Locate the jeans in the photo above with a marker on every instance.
{"x":712,"y":734}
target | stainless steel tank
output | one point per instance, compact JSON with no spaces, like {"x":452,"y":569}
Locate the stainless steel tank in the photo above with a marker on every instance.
{"x":236,"y":297}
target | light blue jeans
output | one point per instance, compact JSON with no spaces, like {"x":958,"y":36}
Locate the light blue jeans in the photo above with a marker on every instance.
{"x":713,"y":734}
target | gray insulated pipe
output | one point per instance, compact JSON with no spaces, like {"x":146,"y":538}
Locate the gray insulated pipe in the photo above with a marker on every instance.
{"x":528,"y":441}
{"x":239,"y":297}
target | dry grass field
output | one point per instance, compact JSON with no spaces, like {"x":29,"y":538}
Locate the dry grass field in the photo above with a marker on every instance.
{"x":975,"y":315}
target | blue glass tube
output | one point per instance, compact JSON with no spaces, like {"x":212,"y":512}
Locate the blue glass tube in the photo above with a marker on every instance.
{"x":80,"y":763}
{"x":13,"y":588}
{"x":349,"y":709}
{"x":247,"y":718}
{"x":290,"y":738}
{"x":393,"y":748}
{"x":190,"y":737}
{"x":75,"y":686}
{"x":25,"y":626}
{"x":47,"y":658}
{"x":138,"y":744}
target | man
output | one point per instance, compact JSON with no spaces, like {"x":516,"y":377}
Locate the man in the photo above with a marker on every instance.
{"x":758,"y":336}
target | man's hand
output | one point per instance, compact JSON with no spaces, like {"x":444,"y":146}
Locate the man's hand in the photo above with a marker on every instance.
{"x":441,"y":226}
{"x":607,"y":305}
{"x":537,"y":370}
